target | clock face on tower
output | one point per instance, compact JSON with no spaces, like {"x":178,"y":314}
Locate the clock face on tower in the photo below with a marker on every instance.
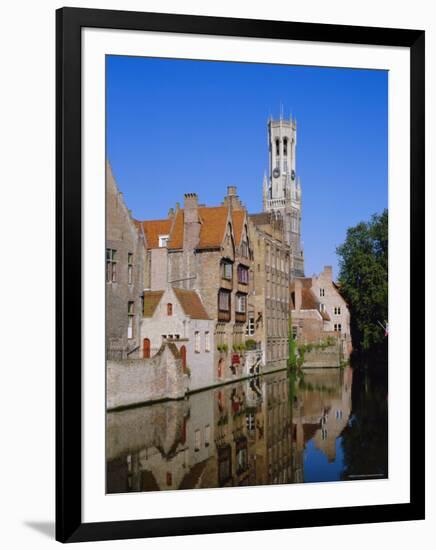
{"x":276,"y":172}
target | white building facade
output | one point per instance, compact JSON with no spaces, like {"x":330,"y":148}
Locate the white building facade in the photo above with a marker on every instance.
{"x":178,"y":315}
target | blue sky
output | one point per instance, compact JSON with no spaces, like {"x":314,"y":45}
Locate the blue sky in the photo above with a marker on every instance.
{"x":178,"y":126}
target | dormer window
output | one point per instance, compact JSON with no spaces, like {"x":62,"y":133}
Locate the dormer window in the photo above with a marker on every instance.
{"x":163,"y":241}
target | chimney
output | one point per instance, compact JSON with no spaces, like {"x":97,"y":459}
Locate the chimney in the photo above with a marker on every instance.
{"x":231,"y":191}
{"x":328,"y":272}
{"x":298,"y":290}
{"x":191,"y":229}
{"x":171,"y":213}
{"x":191,"y":208}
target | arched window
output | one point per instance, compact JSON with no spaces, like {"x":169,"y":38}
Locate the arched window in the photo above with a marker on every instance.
{"x":285,"y":146}
{"x":277,"y":147}
{"x":169,"y":309}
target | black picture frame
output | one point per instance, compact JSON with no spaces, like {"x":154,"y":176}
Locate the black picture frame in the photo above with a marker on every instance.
{"x":69,"y":525}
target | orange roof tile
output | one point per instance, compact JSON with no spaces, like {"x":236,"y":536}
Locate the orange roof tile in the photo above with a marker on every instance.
{"x":213,"y":225}
{"x":154,"y":228}
{"x":308,"y":298}
{"x":191,"y":303}
{"x":151,"y":301}
{"x":238,"y":217}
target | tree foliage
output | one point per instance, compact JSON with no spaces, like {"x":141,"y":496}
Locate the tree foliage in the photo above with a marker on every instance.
{"x":363,"y":278}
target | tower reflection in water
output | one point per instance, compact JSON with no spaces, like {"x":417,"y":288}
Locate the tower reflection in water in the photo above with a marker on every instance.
{"x":260,"y":431}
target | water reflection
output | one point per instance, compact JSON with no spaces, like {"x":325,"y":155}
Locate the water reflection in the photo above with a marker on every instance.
{"x":274,"y":429}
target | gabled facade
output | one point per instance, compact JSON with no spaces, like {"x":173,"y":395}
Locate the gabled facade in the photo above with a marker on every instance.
{"x":208,"y":250}
{"x":319,"y":310}
{"x":125,"y":254}
{"x":178,"y":316}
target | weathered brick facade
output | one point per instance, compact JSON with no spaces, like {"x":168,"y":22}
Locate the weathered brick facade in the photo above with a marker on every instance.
{"x":208,"y":249}
{"x":319,"y":311}
{"x":124,"y":276}
{"x":269,"y":302}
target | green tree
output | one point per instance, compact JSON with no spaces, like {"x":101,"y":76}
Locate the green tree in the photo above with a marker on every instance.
{"x":363,"y":278}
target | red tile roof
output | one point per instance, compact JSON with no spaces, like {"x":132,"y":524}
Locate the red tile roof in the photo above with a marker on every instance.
{"x":188,"y":299}
{"x":308,"y":298}
{"x":238,"y":217}
{"x":213,"y":225}
{"x":151,"y":301}
{"x":154,"y":228}
{"x":191,"y":303}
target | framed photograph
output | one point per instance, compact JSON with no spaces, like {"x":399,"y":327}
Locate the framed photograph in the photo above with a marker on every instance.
{"x":240,"y":232}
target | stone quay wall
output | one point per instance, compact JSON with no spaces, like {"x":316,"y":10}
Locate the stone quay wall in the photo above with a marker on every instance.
{"x":323,"y":358}
{"x":134,"y":381}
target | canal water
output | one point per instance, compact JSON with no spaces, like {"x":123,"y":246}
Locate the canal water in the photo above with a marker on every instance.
{"x":323,"y":425}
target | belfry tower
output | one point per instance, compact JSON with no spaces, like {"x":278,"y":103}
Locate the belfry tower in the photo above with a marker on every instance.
{"x":282,"y":188}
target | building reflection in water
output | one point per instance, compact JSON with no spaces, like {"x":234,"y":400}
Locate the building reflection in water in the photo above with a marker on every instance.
{"x":254,"y":432}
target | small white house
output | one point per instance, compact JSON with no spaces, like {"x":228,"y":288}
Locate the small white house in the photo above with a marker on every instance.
{"x":179,"y":316}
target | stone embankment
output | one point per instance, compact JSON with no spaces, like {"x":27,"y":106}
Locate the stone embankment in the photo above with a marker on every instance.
{"x":134,"y":381}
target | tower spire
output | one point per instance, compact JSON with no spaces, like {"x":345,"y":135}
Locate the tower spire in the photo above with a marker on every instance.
{"x":281,"y":188}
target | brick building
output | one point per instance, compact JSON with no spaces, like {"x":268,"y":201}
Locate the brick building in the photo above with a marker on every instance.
{"x":207,"y":249}
{"x":319,"y":310}
{"x":125,"y":255}
{"x":268,"y":313}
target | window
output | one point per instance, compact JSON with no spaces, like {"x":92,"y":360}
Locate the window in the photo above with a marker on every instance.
{"x":338,"y":327}
{"x":227,"y":272}
{"x":321,"y":292}
{"x":294,"y":332}
{"x":324,"y":434}
{"x":207,"y":436}
{"x":250,"y":325}
{"x":242,"y":274}
{"x":163,"y":241}
{"x":130,"y":318}
{"x":241,"y":303}
{"x":169,"y":309}
{"x":197,"y":342}
{"x":244,"y":249}
{"x":111,"y":265}
{"x":130,"y":268}
{"x":285,"y":146}
{"x":337,"y":310}
{"x":277,"y":147}
{"x":197,"y":440}
{"x":322,"y":307}
{"x":207,"y":341}
{"x":224,"y":300}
